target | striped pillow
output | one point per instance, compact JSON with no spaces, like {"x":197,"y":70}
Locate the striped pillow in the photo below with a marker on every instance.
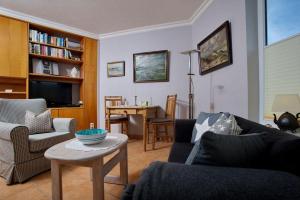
{"x":41,"y":123}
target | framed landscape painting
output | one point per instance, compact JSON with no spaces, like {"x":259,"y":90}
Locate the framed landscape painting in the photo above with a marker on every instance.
{"x":116,"y":69}
{"x":151,"y":66}
{"x":215,"y":50}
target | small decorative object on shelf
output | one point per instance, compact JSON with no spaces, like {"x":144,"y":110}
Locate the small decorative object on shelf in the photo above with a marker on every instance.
{"x":284,"y":103}
{"x":8,"y":90}
{"x":75,"y":73}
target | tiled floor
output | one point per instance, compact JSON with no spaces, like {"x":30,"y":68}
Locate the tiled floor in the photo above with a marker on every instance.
{"x":76,"y":180}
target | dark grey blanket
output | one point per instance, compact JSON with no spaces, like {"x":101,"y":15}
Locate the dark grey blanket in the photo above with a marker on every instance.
{"x":174,"y":181}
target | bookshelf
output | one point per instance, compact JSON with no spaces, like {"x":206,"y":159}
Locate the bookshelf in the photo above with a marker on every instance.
{"x":47,"y":77}
{"x":17,"y":85}
{"x":61,"y":51}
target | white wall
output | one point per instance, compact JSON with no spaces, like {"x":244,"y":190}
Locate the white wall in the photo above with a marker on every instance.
{"x":123,"y":47}
{"x":232,"y":98}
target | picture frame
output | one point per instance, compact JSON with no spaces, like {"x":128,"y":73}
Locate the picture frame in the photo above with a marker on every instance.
{"x":215,"y":50}
{"x":116,"y":69}
{"x":151,"y":66}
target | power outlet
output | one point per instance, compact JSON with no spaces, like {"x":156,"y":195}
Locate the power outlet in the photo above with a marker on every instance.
{"x":92,"y":125}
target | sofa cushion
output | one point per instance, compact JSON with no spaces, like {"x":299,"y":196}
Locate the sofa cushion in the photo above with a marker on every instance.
{"x":38,"y":123}
{"x":180,"y":152}
{"x":284,"y":155}
{"x":43,"y":141}
{"x":230,"y":150}
{"x":178,"y":181}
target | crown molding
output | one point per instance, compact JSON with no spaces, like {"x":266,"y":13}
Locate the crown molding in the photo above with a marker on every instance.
{"x":48,"y":23}
{"x":200,"y":10}
{"x":188,"y":22}
{"x":44,"y":22}
{"x":145,"y":29}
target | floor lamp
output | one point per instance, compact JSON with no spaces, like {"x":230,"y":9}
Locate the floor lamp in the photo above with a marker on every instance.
{"x":190,"y":74}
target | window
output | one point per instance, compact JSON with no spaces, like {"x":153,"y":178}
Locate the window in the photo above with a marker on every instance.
{"x":282,"y":19}
{"x":281,"y":53}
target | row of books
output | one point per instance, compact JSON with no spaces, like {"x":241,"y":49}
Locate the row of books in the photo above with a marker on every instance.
{"x":49,"y":51}
{"x":36,"y":36}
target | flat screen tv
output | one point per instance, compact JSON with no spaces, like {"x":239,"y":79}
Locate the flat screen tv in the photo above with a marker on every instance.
{"x":55,"y":94}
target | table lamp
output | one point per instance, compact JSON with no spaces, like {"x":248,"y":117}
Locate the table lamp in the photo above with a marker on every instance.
{"x":285,"y":103}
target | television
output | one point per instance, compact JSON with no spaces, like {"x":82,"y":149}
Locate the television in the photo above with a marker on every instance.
{"x":56,"y":94}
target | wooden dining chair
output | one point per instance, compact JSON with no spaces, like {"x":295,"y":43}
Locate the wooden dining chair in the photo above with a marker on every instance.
{"x":165,"y":122}
{"x":115,"y":119}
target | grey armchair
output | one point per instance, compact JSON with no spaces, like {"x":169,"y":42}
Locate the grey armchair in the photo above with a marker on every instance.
{"x":22,"y":154}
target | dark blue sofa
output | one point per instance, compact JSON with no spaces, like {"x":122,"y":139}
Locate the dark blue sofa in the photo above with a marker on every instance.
{"x":176,"y":181}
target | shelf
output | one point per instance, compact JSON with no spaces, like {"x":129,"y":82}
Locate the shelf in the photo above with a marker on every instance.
{"x":13,"y":93}
{"x":56,"y":59}
{"x":12,"y":80}
{"x":58,"y":47}
{"x":46,"y":77}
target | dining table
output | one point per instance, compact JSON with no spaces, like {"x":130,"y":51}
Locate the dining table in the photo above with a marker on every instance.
{"x":144,"y":111}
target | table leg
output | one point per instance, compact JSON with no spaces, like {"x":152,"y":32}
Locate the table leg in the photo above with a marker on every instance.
{"x":108,"y":120}
{"x":56,"y":180}
{"x":124,"y":165}
{"x":145,"y":131}
{"x":98,"y":180}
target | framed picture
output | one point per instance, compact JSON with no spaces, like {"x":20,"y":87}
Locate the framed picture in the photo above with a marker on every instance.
{"x":116,"y":69}
{"x":215,"y":50}
{"x":151,"y":66}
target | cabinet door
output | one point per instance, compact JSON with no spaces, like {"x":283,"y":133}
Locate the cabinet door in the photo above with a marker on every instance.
{"x":77,"y":113}
{"x":90,"y":80}
{"x":13,"y":47}
{"x":54,"y":113}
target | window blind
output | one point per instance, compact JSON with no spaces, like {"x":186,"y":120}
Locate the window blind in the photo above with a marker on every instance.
{"x":281,"y":71}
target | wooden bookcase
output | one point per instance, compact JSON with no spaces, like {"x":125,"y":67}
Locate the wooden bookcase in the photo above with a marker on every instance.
{"x":16,"y":68}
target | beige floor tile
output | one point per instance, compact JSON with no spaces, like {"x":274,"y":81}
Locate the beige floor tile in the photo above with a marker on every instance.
{"x":76,"y":180}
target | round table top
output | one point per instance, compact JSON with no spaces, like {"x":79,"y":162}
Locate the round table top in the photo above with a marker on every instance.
{"x":60,"y":152}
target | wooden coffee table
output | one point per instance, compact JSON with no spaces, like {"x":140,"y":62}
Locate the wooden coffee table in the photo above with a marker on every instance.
{"x":60,"y":155}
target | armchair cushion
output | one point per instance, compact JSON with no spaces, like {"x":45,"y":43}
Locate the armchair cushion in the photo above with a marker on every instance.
{"x":38,"y":123}
{"x":13,"y":111}
{"x":43,"y":141}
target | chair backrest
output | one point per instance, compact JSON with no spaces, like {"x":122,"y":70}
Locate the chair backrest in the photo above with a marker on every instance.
{"x":13,"y":110}
{"x":111,"y":101}
{"x":171,"y":106}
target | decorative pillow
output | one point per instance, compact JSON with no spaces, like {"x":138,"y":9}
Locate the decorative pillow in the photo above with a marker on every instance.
{"x":38,"y":123}
{"x":226,"y":126}
{"x":204,"y":123}
{"x":230,"y":150}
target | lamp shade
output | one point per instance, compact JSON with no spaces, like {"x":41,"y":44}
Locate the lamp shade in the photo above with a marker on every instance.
{"x":286,"y":102}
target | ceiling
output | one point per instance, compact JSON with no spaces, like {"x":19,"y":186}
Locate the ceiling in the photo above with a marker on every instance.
{"x":107,"y":16}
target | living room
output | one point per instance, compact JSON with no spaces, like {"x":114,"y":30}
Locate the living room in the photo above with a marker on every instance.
{"x":131,"y":99}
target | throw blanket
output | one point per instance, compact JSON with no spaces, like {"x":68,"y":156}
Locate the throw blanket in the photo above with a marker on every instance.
{"x":174,"y":181}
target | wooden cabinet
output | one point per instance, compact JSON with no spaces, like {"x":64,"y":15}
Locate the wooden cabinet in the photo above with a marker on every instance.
{"x":90,"y":77}
{"x":18,"y":42}
{"x":54,"y":113}
{"x":13,"y":47}
{"x":77,"y":113}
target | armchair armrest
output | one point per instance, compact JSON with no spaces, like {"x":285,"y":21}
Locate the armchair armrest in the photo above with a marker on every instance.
{"x":184,"y":129}
{"x":9,"y":131}
{"x":64,"y":124}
